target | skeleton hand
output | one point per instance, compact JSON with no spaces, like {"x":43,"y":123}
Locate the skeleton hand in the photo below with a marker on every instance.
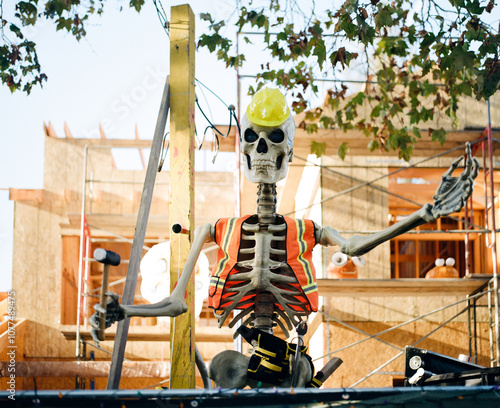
{"x":454,"y":191}
{"x":114,"y":312}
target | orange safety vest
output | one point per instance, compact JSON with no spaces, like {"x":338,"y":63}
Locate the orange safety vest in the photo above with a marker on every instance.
{"x":300,"y":241}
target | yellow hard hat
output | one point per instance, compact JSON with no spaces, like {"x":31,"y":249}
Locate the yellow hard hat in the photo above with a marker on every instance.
{"x":268,"y":108}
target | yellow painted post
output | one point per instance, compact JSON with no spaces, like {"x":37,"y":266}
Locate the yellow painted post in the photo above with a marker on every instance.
{"x":181,"y":210}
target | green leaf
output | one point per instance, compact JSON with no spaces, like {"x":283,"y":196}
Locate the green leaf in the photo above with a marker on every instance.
{"x":326,"y":122}
{"x":16,"y":30}
{"x":383,"y":19}
{"x":439,"y":135}
{"x":342,"y":150}
{"x":416,"y":132}
{"x":4,"y":63}
{"x":317,"y":148}
{"x":27,"y":12}
{"x":64,"y":23}
{"x":373,"y":145}
{"x":359,"y":98}
{"x":320,"y":53}
{"x":461,"y":58}
{"x":311,"y":128}
{"x":137,"y":4}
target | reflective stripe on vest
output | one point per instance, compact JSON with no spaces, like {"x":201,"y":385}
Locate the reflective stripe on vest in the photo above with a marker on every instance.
{"x":227,"y":237}
{"x":300,"y":241}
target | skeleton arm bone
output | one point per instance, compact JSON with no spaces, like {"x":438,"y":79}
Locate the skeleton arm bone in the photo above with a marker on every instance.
{"x":359,"y":245}
{"x":174,"y":304}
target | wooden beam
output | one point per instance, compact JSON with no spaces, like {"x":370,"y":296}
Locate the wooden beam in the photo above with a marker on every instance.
{"x":124,"y":224}
{"x":67,"y":131}
{"x":103,"y":137}
{"x":155,"y":333}
{"x":312,"y":327}
{"x":49,"y":130}
{"x":137,"y":246}
{"x":332,"y":137}
{"x":436,"y":236}
{"x":400,"y":287}
{"x":131,"y":369}
{"x":18,"y":194}
{"x":181,"y":208}
{"x":141,"y":153}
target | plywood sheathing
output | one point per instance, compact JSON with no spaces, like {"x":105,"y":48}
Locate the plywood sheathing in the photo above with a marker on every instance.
{"x":361,"y":359}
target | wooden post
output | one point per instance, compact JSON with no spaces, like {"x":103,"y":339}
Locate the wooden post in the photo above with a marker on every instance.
{"x":181,"y":209}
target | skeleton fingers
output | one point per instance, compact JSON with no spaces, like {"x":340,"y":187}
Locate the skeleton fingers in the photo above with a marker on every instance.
{"x":453,"y":191}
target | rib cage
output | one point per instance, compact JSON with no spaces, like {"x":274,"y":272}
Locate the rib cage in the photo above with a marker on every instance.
{"x":262,"y":284}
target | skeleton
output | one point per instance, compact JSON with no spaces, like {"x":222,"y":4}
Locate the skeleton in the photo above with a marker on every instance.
{"x":261,"y":282}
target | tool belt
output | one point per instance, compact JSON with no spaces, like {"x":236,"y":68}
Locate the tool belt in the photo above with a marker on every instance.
{"x":270,"y":362}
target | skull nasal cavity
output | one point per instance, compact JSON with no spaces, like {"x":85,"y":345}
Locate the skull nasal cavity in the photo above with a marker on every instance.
{"x":262,"y":146}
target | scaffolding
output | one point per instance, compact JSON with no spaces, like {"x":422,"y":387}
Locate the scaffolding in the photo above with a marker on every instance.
{"x":488,"y":289}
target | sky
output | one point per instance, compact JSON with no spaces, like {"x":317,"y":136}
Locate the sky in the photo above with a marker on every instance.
{"x":114,"y":76}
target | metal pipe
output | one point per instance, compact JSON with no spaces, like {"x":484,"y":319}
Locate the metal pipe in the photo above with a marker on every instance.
{"x":475,"y":331}
{"x":80,"y":264}
{"x":238,"y":341}
{"x":130,"y":182}
{"x":493,"y":238}
{"x":144,"y":247}
{"x":85,"y":279}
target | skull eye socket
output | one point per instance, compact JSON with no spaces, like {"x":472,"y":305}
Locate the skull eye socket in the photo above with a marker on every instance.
{"x":276,"y":136}
{"x":250,"y":136}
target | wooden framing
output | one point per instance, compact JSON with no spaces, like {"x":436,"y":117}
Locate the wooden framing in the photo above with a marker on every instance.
{"x":16,"y":194}
{"x":400,"y":287}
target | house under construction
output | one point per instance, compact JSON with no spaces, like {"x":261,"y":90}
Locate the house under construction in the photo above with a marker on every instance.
{"x":369,"y":319}
{"x":88,"y":203}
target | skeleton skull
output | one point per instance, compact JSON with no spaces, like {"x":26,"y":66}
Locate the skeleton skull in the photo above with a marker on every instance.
{"x":267,"y":146}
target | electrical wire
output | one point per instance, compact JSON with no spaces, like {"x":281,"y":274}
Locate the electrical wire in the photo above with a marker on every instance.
{"x":211,"y":126}
{"x":217,"y":96}
{"x":162,"y":16}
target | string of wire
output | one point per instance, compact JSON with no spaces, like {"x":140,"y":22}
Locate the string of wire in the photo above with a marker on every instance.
{"x":162,"y":16}
{"x":211,"y":126}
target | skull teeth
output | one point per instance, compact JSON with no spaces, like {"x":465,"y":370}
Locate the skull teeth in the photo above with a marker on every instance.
{"x":264,"y":164}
